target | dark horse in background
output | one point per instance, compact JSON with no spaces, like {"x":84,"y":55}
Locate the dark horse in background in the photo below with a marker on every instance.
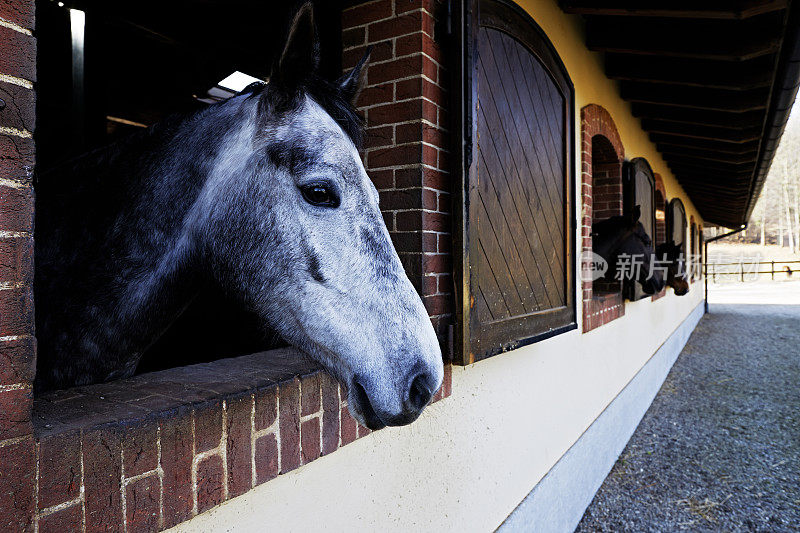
{"x":624,"y":234}
{"x":263,"y":195}
{"x":676,"y":266}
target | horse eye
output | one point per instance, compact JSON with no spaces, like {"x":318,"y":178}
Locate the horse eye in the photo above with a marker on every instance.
{"x":320,"y":194}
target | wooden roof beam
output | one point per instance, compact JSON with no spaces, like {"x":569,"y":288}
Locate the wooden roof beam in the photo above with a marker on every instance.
{"x":697,"y":144}
{"x":703,"y":117}
{"x":715,"y":40}
{"x":705,"y":155}
{"x":727,"y":166}
{"x":675,"y":9}
{"x":696,"y":98}
{"x":695,"y":131}
{"x":693,"y":73}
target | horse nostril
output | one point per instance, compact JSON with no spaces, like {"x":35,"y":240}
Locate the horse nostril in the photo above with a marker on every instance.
{"x":420,"y":392}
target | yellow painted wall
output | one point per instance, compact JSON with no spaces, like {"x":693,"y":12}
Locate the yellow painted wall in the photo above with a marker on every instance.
{"x":585,"y":68}
{"x":471,"y":458}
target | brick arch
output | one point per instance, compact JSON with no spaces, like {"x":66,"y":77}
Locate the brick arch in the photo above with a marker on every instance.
{"x":601,"y":174}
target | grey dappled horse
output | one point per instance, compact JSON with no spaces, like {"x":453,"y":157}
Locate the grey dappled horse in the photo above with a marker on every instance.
{"x":265,"y":194}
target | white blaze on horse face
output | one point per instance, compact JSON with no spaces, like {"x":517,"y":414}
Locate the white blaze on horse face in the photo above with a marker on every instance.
{"x":352,"y":304}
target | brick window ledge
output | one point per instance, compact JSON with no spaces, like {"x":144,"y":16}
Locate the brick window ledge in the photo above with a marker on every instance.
{"x":603,"y":308}
{"x":150,"y":452}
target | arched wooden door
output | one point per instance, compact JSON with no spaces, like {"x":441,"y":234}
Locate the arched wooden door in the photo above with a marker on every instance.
{"x":521,"y":265}
{"x":640,"y":187}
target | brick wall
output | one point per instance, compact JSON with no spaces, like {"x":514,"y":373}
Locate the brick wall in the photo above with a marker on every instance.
{"x":17,"y":345}
{"x":406,"y":153}
{"x":602,"y":155}
{"x":150,"y":452}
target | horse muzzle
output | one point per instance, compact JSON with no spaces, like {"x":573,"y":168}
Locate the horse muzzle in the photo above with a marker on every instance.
{"x":369,"y":406}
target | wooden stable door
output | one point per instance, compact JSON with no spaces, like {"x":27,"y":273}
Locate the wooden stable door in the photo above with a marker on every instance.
{"x":519,"y":187}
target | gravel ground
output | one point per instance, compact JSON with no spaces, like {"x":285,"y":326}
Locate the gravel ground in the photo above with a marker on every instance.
{"x":719,"y":449}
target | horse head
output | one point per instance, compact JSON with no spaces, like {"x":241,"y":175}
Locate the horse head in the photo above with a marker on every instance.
{"x":625,"y":236}
{"x":290,"y":222}
{"x":676,"y":274}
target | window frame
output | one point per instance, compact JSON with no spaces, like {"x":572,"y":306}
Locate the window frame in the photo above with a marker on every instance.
{"x":677,"y":203}
{"x":507,"y":17}
{"x":631,"y":289}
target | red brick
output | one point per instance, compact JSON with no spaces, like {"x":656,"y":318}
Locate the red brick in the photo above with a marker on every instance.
{"x":401,"y":199}
{"x":17,"y":157}
{"x":266,"y":458}
{"x":101,"y":461}
{"x":290,"y":425}
{"x":15,"y":413}
{"x":310,"y":437}
{"x":330,"y":413}
{"x":353,"y":37}
{"x":430,"y":155}
{"x":396,"y":155}
{"x":142,"y":504}
{"x":436,"y":222}
{"x":445,"y":243}
{"x":208,"y":426}
{"x":395,"y":27}
{"x":16,"y":208}
{"x":176,"y":460}
{"x":17,"y":361}
{"x":434,"y":135}
{"x":406,"y":241}
{"x":16,"y":260}
{"x":409,"y":177}
{"x":445,"y":283}
{"x":266,"y":408}
{"x":379,"y":137}
{"x":19,"y":60}
{"x":20,"y":12}
{"x":438,"y":304}
{"x":366,"y":13}
{"x":430,"y":285}
{"x":349,"y":427}
{"x":20,"y":110}
{"x":68,"y":519}
{"x":310,"y":399}
{"x":59,"y":469}
{"x":408,"y":133}
{"x":210,"y":476}
{"x":394,"y":112}
{"x":377,"y":94}
{"x":428,"y":242}
{"x":140,"y":449}
{"x":437,"y":263}
{"x":382,"y":179}
{"x":402,"y":6}
{"x":16,"y":485}
{"x":240,"y":471}
{"x":380,"y":52}
{"x":409,"y":221}
{"x":435,"y":179}
{"x":395,"y":70}
{"x":416,"y":43}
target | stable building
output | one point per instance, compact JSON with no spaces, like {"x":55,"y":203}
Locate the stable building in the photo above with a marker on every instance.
{"x":497,"y":133}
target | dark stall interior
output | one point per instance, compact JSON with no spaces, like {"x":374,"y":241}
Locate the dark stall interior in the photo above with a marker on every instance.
{"x":107,"y":69}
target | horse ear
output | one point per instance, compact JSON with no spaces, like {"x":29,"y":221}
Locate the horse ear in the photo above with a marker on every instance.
{"x":350,"y":84}
{"x":300,"y":57}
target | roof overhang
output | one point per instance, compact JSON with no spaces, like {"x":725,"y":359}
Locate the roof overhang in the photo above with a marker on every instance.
{"x":713,"y":82}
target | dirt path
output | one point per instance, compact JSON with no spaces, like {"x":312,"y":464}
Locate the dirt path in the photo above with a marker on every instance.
{"x":719,"y":449}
